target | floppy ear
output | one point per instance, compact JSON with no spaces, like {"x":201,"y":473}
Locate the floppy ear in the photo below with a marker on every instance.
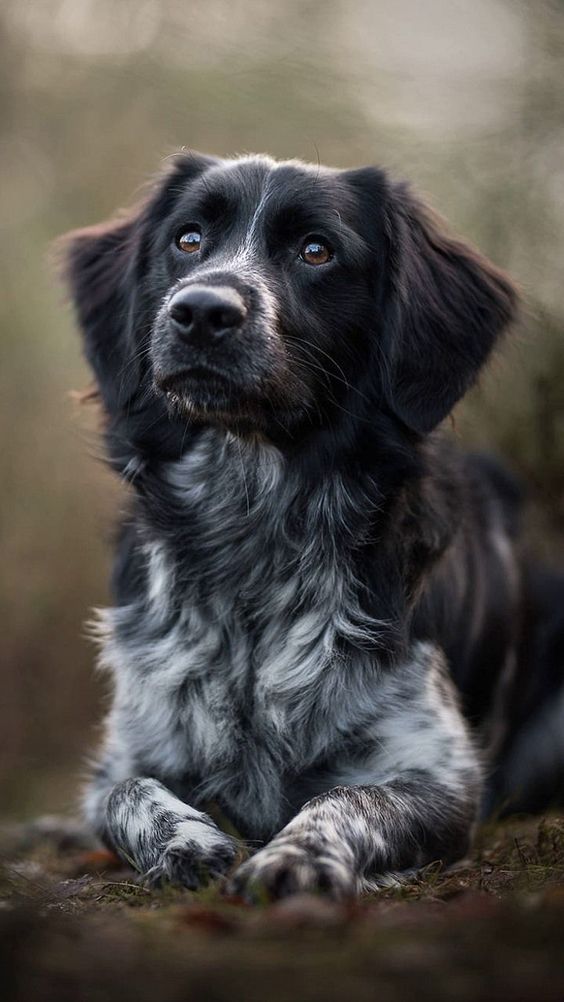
{"x":104,"y":267}
{"x":100,"y":266}
{"x":446,"y":307}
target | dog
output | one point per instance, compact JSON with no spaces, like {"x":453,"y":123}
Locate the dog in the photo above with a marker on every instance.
{"x":323,"y":623}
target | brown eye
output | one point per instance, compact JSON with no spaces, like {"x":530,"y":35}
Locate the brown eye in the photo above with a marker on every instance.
{"x":189,"y":241}
{"x":315,"y":252}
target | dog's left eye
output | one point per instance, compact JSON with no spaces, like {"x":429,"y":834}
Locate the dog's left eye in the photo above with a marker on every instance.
{"x":315,"y":252}
{"x":189,"y":240}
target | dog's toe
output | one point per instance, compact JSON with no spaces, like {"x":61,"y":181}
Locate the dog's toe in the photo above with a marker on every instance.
{"x":278,"y":872}
{"x":192,"y":866}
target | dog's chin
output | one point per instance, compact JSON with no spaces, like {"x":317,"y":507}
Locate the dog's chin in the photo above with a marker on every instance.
{"x":204,"y":395}
{"x":212,"y":398}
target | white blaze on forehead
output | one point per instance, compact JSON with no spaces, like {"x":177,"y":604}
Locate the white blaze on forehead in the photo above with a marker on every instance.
{"x":249,"y":240}
{"x":257,"y":215}
{"x":267,"y":187}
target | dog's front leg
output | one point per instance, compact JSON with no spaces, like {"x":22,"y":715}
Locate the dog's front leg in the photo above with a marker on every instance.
{"x":354,"y":838}
{"x":159,"y":835}
{"x":411,"y":800}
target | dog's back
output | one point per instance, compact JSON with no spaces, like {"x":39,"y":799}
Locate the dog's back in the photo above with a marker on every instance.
{"x":500,"y":617}
{"x":529,"y":775}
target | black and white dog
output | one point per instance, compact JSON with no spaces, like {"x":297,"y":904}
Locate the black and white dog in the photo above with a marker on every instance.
{"x":321,"y":623}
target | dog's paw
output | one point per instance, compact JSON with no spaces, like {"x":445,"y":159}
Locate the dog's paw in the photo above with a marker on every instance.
{"x":280,"y":870}
{"x":197,"y":854}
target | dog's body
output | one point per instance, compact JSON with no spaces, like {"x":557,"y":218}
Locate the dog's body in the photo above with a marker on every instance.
{"x":306,"y":567}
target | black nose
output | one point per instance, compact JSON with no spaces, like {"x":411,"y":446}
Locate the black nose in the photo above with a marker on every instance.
{"x":205,"y":312}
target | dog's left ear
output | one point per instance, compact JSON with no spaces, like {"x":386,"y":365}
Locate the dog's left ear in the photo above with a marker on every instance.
{"x":447,"y":306}
{"x":100,"y":263}
{"x":443,"y":311}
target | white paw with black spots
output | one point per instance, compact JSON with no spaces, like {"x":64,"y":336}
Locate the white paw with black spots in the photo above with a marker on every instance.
{"x":278,"y":871}
{"x":193,"y":857}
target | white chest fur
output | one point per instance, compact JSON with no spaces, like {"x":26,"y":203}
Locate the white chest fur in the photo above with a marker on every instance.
{"x":259,"y":654}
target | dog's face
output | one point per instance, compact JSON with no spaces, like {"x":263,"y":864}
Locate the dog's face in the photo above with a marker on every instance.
{"x":264,"y":278}
{"x":271,"y":297}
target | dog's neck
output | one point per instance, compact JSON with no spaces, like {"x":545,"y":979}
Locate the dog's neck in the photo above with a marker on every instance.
{"x":242,"y":481}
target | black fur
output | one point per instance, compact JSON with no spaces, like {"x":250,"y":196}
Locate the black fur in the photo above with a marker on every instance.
{"x":305,"y":553}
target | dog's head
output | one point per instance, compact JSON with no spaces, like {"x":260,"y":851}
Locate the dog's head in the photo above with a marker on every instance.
{"x":271,"y":297}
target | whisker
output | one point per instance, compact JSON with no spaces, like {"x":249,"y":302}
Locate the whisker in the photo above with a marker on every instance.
{"x":302,"y":343}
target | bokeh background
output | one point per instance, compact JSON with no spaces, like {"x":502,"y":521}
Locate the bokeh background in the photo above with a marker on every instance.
{"x":465,"y":97}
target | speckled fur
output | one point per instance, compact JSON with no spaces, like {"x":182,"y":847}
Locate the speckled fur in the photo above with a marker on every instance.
{"x":296,"y":699}
{"x":309,"y":576}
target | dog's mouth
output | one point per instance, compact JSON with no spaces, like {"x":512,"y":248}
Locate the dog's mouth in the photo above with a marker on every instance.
{"x":196,"y":375}
{"x":245,"y":399}
{"x":206,"y":390}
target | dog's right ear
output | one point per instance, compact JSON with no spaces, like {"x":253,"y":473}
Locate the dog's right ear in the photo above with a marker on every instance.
{"x":104,"y":268}
{"x":100,"y":264}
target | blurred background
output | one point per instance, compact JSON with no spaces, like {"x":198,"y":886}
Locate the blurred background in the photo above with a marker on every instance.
{"x":465,"y":97}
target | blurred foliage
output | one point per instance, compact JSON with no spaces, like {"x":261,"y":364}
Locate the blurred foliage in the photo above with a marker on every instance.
{"x":466,"y":99}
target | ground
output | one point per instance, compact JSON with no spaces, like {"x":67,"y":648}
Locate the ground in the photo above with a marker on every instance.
{"x":74,"y":925}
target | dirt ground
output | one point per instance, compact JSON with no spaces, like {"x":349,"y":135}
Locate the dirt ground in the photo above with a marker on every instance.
{"x":74,"y":925}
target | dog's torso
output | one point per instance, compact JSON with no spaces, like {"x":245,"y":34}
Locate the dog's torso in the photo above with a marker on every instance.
{"x":255,"y":660}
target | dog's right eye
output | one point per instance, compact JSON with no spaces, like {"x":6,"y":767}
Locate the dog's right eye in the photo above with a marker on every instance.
{"x":189,"y":240}
{"x":315,"y":252}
